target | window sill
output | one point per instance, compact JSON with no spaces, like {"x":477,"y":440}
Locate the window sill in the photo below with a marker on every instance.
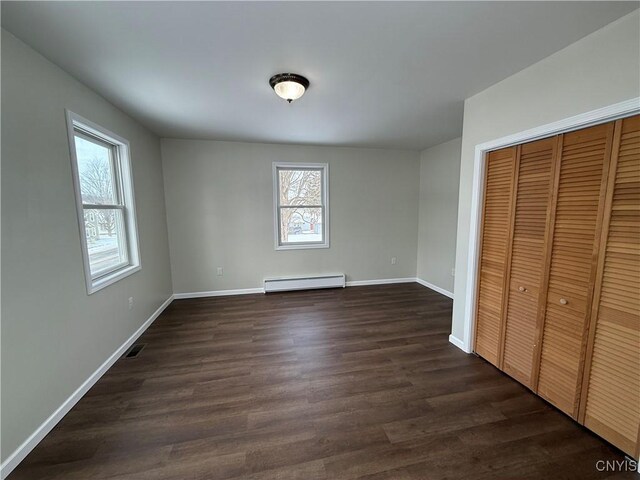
{"x":113,"y":277}
{"x":302,"y":246}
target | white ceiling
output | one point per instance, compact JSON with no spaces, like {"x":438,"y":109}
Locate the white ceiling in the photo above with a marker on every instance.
{"x":382,"y":74}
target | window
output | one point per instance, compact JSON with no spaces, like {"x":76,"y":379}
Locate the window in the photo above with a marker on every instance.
{"x":104,"y":199}
{"x":301,"y":205}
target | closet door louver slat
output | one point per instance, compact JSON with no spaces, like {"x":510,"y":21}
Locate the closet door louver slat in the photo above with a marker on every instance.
{"x":493,"y":257}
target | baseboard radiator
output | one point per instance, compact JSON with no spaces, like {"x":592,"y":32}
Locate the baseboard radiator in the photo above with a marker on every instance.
{"x":304,"y":283}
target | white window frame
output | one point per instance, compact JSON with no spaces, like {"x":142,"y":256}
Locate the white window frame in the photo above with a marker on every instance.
{"x":126,"y":201}
{"x":324,"y":168}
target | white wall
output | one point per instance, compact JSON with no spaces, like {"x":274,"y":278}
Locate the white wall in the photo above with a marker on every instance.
{"x":439,"y":179}
{"x":599,"y":70}
{"x":219,"y":210}
{"x":54,"y":336}
{"x":220,"y":213}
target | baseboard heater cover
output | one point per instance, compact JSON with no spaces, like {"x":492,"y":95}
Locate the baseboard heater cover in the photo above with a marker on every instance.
{"x":304,"y":283}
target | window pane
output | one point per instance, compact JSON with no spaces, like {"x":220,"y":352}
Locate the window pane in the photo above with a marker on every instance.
{"x":95,"y":169}
{"x":106,"y":240}
{"x":300,"y":187}
{"x":301,"y":225}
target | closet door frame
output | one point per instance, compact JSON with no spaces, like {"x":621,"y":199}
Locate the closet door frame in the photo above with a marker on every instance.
{"x":594,"y":117}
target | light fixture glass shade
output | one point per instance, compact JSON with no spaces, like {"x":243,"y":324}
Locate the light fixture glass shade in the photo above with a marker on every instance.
{"x":289,"y":86}
{"x":289,"y":90}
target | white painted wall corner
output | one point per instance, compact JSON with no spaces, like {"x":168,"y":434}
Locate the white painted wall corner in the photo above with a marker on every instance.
{"x":458,"y":343}
{"x":442,"y":291}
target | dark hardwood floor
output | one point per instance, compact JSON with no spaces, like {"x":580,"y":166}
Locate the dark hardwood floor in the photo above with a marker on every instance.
{"x":326,"y":384}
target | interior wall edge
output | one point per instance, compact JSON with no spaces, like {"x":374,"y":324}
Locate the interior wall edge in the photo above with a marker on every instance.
{"x":436,"y":288}
{"x":458,"y":343}
{"x":438,"y":213}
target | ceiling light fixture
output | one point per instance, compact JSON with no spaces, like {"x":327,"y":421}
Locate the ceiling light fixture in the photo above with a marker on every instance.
{"x":289,"y":86}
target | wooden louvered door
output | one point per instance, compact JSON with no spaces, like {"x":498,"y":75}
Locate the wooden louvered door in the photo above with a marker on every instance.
{"x":611,"y":391}
{"x":584,"y":160}
{"x":494,"y":248}
{"x":534,"y":188}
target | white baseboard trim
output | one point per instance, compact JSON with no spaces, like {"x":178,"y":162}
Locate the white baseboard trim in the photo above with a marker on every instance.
{"x":248,"y":291}
{"x":36,"y":437}
{"x":217,"y":293}
{"x":381,"y":281}
{"x":444,"y":292}
{"x":458,"y":343}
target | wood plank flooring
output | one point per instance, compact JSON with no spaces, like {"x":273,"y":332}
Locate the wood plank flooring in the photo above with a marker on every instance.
{"x":329,"y":384}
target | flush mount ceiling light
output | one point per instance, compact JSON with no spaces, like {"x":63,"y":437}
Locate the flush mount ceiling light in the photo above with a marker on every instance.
{"x":289,"y":86}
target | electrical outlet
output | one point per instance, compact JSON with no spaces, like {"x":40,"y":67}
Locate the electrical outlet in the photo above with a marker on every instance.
{"x":393,"y":260}
{"x":130,"y":303}
{"x":220,"y":271}
{"x":453,"y":272}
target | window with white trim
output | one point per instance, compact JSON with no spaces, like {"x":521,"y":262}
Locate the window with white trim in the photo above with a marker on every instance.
{"x":301,"y":203}
{"x":105,"y":203}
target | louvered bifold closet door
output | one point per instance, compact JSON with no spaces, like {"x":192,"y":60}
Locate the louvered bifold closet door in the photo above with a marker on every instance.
{"x":612,"y":372}
{"x":532,"y":216}
{"x":584,"y":159}
{"x":494,"y":247}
